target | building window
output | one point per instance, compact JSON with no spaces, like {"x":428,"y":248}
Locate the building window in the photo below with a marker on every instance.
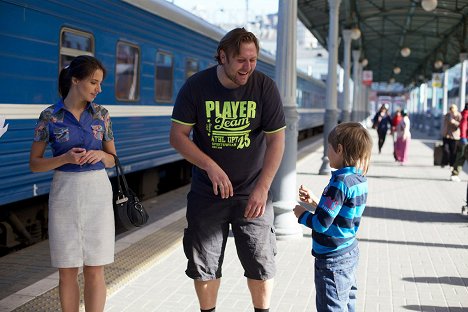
{"x":164,"y":76}
{"x":74,"y":43}
{"x":127,"y":72}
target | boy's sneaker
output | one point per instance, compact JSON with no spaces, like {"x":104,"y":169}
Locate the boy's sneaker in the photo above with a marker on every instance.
{"x":455,"y":178}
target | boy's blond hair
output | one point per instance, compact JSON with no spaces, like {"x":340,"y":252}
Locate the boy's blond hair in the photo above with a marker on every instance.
{"x":356,"y":143}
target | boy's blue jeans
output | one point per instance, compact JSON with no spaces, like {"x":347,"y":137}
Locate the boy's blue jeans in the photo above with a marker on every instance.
{"x":335,"y":282}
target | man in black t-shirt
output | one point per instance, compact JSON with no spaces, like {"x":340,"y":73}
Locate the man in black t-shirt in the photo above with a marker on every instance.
{"x":237,"y":120}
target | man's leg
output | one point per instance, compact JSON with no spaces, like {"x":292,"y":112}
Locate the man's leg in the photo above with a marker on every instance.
{"x":204,"y":243}
{"x":260,"y":292}
{"x":460,"y":158}
{"x":207,"y":292}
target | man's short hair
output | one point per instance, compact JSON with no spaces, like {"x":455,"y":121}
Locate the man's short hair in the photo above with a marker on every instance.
{"x":232,"y":41}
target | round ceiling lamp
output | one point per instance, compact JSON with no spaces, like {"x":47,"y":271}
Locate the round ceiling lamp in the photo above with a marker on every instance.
{"x":397,"y":70}
{"x":355,"y":33}
{"x":438,"y":64}
{"x":405,"y":52}
{"x":392,"y":80}
{"x":364,"y":62}
{"x":429,"y":5}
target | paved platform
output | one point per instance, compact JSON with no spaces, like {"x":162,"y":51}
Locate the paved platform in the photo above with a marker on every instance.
{"x":413,"y":241}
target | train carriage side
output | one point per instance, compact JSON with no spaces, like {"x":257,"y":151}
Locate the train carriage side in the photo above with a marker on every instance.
{"x":140,"y":44}
{"x":310,"y":100}
{"x":40,"y":37}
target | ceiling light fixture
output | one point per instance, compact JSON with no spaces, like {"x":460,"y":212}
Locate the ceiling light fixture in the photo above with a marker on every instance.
{"x":396,"y":70}
{"x":355,"y":33}
{"x":405,"y":52}
{"x":438,"y":64}
{"x":429,"y":5}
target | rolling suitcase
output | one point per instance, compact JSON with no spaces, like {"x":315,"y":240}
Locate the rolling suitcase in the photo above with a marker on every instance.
{"x":438,"y":153}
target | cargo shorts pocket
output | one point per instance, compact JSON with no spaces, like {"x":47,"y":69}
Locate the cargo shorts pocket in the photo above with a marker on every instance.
{"x":273,"y":241}
{"x":187,"y":244}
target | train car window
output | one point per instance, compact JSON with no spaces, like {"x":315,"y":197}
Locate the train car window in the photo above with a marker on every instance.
{"x":164,"y":76}
{"x":74,"y":43}
{"x":306,"y":99}
{"x":299,"y":98}
{"x":127,"y":72}
{"x":191,"y":67}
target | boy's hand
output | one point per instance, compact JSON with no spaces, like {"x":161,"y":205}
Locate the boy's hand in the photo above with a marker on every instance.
{"x":298,"y":210}
{"x":307,"y":196}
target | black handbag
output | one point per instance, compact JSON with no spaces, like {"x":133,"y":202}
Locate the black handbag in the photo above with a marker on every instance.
{"x":128,"y":209}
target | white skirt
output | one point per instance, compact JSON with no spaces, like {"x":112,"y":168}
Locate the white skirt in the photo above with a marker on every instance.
{"x":81,"y":219}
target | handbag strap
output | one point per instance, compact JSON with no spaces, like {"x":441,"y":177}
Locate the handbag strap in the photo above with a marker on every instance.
{"x":120,"y":175}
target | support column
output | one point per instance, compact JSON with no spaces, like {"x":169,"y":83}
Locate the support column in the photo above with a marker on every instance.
{"x":424,"y":107}
{"x":331,"y":113}
{"x":366,"y":112}
{"x":445,"y":95}
{"x":360,"y":93}
{"x":346,"y":109}
{"x":463,"y":58}
{"x":432,"y":121}
{"x":284,"y":188}
{"x":354,"y":113}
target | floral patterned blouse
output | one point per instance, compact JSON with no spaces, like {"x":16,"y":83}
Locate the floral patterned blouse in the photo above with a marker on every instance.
{"x":63,"y":131}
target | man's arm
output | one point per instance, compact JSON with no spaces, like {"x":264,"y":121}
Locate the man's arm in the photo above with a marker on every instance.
{"x":180,"y":140}
{"x":271,"y":162}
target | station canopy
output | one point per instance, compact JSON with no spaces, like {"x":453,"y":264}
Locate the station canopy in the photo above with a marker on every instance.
{"x":434,"y":38}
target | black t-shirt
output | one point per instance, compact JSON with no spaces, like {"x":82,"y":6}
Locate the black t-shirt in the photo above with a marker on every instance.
{"x":229,"y":125}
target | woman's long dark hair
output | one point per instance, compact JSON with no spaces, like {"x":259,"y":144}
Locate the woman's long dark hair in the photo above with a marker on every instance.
{"x":80,"y":67}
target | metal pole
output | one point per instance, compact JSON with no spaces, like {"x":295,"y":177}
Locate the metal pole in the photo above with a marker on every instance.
{"x":284,"y":188}
{"x":330,"y":119}
{"x":445,"y":96}
{"x":360,"y":93}
{"x":346,"y":109}
{"x":463,"y":58}
{"x":354,"y":113}
{"x":433,"y":108}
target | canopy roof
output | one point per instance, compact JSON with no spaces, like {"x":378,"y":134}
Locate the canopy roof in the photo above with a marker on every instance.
{"x":387,"y":26}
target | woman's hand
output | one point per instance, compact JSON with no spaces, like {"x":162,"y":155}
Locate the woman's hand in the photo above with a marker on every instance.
{"x":74,"y":155}
{"x":92,"y":157}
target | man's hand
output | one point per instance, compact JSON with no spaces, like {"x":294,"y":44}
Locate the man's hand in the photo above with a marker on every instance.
{"x":220,"y":181}
{"x":256,"y":204}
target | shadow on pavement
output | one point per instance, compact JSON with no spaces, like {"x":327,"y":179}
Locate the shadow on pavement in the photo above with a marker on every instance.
{"x":450,"y":280}
{"x":433,"y":308}
{"x":413,"y":215}
{"x":405,"y":177}
{"x":413,"y":243}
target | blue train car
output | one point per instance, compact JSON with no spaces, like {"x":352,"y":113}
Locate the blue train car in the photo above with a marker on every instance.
{"x":146,"y":59}
{"x":149,"y":48}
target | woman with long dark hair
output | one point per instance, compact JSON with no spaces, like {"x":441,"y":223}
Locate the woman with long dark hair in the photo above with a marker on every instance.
{"x":81,"y":219}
